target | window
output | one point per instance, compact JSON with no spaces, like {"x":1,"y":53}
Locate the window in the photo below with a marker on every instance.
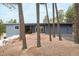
{"x":41,"y":29}
{"x":16,"y":27}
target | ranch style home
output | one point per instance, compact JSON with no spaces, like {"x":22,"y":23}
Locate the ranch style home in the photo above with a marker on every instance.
{"x":13,"y":29}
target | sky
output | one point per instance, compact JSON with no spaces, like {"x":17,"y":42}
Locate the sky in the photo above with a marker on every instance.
{"x":29,"y":12}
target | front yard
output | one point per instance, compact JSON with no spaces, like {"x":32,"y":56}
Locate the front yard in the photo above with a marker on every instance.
{"x":54,"y":48}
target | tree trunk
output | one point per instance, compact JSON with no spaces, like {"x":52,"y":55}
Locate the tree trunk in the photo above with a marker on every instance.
{"x":77,"y":23}
{"x":48,"y":23}
{"x":38,"y":25}
{"x":22,"y":26}
{"x":0,"y":37}
{"x":53,"y":19}
{"x":58,"y":23}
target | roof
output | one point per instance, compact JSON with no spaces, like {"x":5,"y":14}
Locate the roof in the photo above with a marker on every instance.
{"x":36,"y":23}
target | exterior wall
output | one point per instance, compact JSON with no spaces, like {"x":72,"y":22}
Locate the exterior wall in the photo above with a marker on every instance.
{"x":65,"y":29}
{"x":10,"y":30}
{"x":33,"y":28}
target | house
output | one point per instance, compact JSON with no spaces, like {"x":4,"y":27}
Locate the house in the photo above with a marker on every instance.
{"x":13,"y":29}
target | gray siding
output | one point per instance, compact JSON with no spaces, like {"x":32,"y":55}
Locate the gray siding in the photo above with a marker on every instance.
{"x":65,"y":29}
{"x":33,"y":28}
{"x":10,"y":30}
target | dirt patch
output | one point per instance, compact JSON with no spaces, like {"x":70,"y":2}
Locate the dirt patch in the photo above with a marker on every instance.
{"x":53,"y":48}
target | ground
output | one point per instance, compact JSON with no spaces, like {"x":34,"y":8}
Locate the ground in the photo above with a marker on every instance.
{"x":53,"y":48}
